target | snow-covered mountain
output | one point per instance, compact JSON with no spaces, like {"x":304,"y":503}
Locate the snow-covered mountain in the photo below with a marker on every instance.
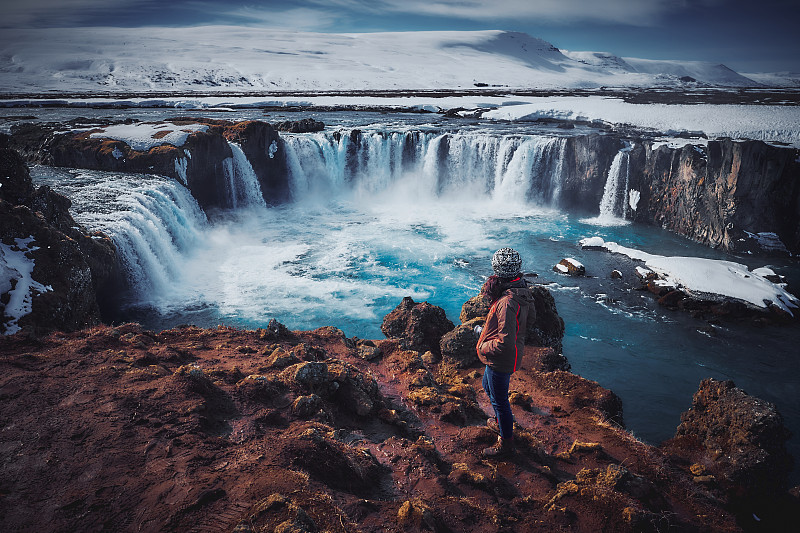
{"x":235,"y":59}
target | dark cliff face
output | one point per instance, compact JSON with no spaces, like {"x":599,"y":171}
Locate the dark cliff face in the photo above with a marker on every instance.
{"x":586,"y":162}
{"x":265,"y":151}
{"x":70,"y":268}
{"x":720,"y":194}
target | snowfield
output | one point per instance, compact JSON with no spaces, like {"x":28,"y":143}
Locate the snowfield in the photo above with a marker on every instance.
{"x":763,"y":122}
{"x":143,"y":136}
{"x":226,"y":58}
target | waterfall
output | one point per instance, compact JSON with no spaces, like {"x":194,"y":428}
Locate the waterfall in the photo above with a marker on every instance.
{"x":242,"y":182}
{"x":613,"y":206}
{"x":523,"y":168}
{"x":153,"y":221}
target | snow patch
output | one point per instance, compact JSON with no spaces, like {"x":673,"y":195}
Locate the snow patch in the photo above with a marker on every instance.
{"x":712,"y":276}
{"x":117,"y":153}
{"x":592,"y":242}
{"x":143,"y":136}
{"x":764,"y":272}
{"x":768,"y":241}
{"x":16,"y":269}
{"x":633,"y":198}
{"x":273,"y":148}
{"x":773,"y":123}
{"x":181,"y":165}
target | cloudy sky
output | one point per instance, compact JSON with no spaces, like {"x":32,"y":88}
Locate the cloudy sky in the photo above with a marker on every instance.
{"x":746,"y":35}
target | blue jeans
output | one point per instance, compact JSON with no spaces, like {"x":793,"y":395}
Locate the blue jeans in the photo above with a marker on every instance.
{"x":496,"y":386}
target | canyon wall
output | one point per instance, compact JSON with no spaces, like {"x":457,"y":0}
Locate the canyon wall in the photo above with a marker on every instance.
{"x":736,"y":195}
{"x":740,"y":196}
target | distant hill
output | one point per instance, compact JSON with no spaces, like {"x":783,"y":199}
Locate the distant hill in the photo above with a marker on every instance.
{"x":235,"y":59}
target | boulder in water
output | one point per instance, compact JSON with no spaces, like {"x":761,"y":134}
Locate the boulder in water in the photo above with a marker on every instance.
{"x":571,"y":267}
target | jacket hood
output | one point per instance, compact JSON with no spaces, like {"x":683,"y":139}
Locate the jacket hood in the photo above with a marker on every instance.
{"x":519,"y":291}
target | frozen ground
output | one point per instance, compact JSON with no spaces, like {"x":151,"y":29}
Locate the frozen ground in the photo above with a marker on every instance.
{"x":769,"y":123}
{"x":761,"y":122}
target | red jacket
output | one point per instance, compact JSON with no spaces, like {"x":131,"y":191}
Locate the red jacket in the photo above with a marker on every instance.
{"x":502,"y":341}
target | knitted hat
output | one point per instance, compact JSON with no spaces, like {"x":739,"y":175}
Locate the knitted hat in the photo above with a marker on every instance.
{"x":506,"y":263}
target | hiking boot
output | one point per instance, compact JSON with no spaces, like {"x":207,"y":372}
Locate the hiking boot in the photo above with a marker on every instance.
{"x":492,"y":424}
{"x":503,"y":449}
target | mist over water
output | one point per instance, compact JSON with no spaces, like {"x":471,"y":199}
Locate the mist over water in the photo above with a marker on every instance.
{"x":400,"y":219}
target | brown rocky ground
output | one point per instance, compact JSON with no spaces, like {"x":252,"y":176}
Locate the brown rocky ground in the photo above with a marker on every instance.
{"x":120,"y":429}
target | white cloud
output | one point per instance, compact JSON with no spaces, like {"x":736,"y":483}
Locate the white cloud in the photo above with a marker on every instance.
{"x":302,"y":19}
{"x":630,"y":12}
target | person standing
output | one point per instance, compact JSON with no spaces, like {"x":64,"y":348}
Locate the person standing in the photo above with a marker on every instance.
{"x":502,"y":341}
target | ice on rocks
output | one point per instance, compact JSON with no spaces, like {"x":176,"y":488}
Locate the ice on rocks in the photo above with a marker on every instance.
{"x":592,"y":242}
{"x":143,"y":136}
{"x":15,"y":264}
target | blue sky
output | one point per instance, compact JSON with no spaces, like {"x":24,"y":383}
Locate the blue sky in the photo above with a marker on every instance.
{"x":748,"y":36}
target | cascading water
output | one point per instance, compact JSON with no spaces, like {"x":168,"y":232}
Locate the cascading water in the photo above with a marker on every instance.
{"x":242,"y":182}
{"x":522,"y":168}
{"x":153,"y":221}
{"x":613,"y":205}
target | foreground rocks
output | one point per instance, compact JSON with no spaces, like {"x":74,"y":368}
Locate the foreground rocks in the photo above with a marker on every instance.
{"x":129,"y":430}
{"x":125,"y":429}
{"x":53,"y":275}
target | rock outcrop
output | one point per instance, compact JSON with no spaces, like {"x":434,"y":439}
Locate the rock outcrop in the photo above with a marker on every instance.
{"x":52,"y":273}
{"x":744,"y":437}
{"x":203,"y":162}
{"x":417,"y":326}
{"x":231,"y":430}
{"x":546,"y":329}
{"x":736,"y":443}
{"x":587,"y":159}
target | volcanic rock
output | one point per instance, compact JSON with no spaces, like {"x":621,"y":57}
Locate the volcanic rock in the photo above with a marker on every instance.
{"x":202,"y":163}
{"x":306,"y":125}
{"x":418,"y":326}
{"x":265,"y":152}
{"x":571,"y":267}
{"x":458,"y":345}
{"x":700,"y":191}
{"x":744,"y":438}
{"x":548,"y":328}
{"x":475,"y":307}
{"x":125,"y":429}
